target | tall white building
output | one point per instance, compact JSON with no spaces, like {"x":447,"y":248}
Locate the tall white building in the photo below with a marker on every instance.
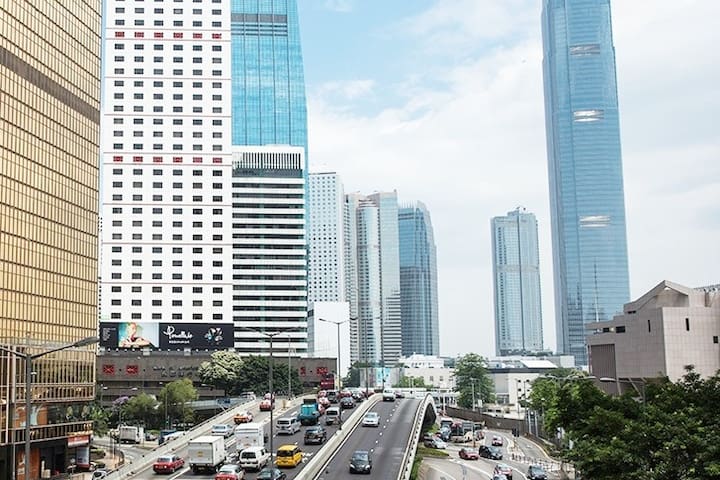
{"x":373,"y":277}
{"x":269,"y":247}
{"x":166,"y":158}
{"x":326,"y":272}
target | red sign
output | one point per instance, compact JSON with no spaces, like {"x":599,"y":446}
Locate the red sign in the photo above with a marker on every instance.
{"x":78,"y":441}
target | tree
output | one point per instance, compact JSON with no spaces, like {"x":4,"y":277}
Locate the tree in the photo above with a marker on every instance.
{"x":223,"y":371}
{"x":412,"y":382}
{"x":174,"y":397}
{"x":142,"y":409}
{"x":471,"y":374}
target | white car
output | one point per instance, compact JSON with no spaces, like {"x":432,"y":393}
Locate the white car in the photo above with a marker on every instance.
{"x":371,"y":419}
{"x":222,"y":430}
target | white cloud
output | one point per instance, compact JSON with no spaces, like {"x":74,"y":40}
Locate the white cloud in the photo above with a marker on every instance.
{"x":468,"y":140}
{"x":343,"y":6}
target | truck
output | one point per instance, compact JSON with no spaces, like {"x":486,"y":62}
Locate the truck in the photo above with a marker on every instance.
{"x":249,"y":435}
{"x":309,"y":412}
{"x":206,"y":453}
{"x":130,"y":434}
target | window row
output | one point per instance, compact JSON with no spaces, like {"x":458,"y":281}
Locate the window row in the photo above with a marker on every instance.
{"x":161,"y":59}
{"x":117,"y":197}
{"x":158,"y":316}
{"x":160,"y":83}
{"x":160,"y":71}
{"x":161,"y":121}
{"x":159,"y":276}
{"x":175,"y":11}
{"x":140,"y":22}
{"x":159,"y":146}
{"x":161,"y":109}
{"x":177,"y":47}
{"x":159,"y":224}
{"x":159,"y":289}
{"x":175,"y":172}
{"x":115,"y":302}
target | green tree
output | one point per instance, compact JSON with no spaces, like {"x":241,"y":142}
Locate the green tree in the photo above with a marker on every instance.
{"x":407,"y":381}
{"x":174,"y":398}
{"x":141,"y":409}
{"x":471,"y":375}
{"x":223,"y":371}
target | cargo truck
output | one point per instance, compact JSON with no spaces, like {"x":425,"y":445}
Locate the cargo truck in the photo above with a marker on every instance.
{"x":249,"y":435}
{"x":130,"y":434}
{"x":206,"y":453}
{"x":309,"y":412}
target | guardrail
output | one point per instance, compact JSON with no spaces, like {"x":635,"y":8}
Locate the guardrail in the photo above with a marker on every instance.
{"x":133,"y":467}
{"x":319,"y":461}
{"x":409,"y":455}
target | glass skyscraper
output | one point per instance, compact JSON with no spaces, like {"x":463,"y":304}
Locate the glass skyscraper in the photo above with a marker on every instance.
{"x":418,"y":281}
{"x":268,"y":87}
{"x":585,"y":168}
{"x":516,"y":275}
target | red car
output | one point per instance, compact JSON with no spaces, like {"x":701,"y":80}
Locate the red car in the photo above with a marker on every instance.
{"x":168,"y":464}
{"x":266,"y":405}
{"x":467,"y":454}
{"x":230,"y":472}
{"x":503,"y":469}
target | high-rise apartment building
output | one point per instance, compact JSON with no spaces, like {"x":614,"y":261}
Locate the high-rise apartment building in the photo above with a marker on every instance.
{"x":186,"y":82}
{"x":373,"y":279}
{"x":418,"y":281}
{"x":49,"y":137}
{"x":269,"y":262}
{"x":516,"y":275}
{"x":585,"y":168}
{"x":268,"y":86}
{"x":167,"y":169}
{"x":326,"y":269}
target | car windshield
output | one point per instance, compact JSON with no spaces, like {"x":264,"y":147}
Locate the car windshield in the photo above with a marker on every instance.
{"x":265,"y":475}
{"x":228,"y":468}
{"x":371,"y":415}
{"x":536,"y":470}
{"x":360,"y":456}
{"x":164,"y":459}
{"x":494,"y":449}
{"x":220,"y":427}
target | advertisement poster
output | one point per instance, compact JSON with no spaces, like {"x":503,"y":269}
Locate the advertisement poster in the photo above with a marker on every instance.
{"x":166,"y":336}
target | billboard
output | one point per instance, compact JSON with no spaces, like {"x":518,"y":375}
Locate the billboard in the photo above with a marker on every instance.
{"x":166,"y":336}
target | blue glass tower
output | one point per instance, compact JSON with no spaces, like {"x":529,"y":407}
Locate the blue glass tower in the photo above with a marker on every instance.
{"x":268,"y":86}
{"x":418,"y":282}
{"x":585,"y":168}
{"x":516,"y":273}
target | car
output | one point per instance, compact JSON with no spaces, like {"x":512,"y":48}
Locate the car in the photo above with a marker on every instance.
{"x":371,"y":419}
{"x":150,"y":437}
{"x":345,"y":393}
{"x":467,"y":454}
{"x":324,"y":402}
{"x":493,"y":453}
{"x":266,"y":405}
{"x":497,"y":441}
{"x":168,"y":464}
{"x":243,"y":417}
{"x":358,"y":395}
{"x":360,"y":462}
{"x":536,"y":472}
{"x":444,"y":433}
{"x":347,"y":402}
{"x":271,"y":474}
{"x":230,"y":471}
{"x":503,"y":469}
{"x":99,"y":474}
{"x":499,"y":476}
{"x":388,"y":395}
{"x":315,"y":434}
{"x":332,"y":395}
{"x":222,"y":430}
{"x":435,"y":442}
{"x":399,"y":394}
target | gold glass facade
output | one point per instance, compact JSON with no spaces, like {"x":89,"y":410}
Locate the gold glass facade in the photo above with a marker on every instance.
{"x":49,"y":153}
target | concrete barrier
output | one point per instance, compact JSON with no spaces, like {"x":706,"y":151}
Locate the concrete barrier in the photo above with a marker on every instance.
{"x":409,"y":455}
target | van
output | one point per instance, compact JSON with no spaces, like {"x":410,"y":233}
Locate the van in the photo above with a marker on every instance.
{"x":287,"y":425}
{"x":288,"y":456}
{"x":332,"y":416}
{"x":254,"y":458}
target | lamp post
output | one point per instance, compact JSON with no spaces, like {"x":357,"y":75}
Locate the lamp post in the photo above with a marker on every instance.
{"x":337,"y":323}
{"x":271,"y":336}
{"x":28,"y":385}
{"x":618,"y":381}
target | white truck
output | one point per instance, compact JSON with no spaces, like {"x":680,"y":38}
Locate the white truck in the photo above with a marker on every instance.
{"x":130,"y":434}
{"x":249,"y":435}
{"x":206,"y":453}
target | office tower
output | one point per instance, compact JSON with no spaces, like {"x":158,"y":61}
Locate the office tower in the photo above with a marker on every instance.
{"x":269,"y":263}
{"x":167,"y":167}
{"x":418,"y":281}
{"x":587,"y":203}
{"x":268,"y":87}
{"x":49,"y":136}
{"x":516,"y":275}
{"x":373,"y":278}
{"x":326,"y":270}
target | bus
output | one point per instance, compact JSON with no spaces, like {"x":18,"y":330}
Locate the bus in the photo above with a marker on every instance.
{"x":327,"y":382}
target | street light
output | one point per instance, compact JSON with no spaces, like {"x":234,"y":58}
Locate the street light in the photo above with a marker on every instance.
{"x":28,"y":385}
{"x":337,"y":323}
{"x":618,"y":381}
{"x":270,"y":380}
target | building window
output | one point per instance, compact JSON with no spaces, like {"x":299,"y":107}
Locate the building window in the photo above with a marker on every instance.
{"x":687,"y":324}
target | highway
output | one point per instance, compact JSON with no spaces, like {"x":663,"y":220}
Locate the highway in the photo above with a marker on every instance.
{"x":386,"y":443}
{"x":262,"y":417}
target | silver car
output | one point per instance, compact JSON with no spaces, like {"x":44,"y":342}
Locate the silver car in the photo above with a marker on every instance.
{"x":371,"y":419}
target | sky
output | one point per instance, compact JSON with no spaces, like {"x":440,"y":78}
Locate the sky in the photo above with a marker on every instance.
{"x":442,"y":100}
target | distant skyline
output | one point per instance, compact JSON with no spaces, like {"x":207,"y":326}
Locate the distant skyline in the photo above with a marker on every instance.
{"x":443,"y":102}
